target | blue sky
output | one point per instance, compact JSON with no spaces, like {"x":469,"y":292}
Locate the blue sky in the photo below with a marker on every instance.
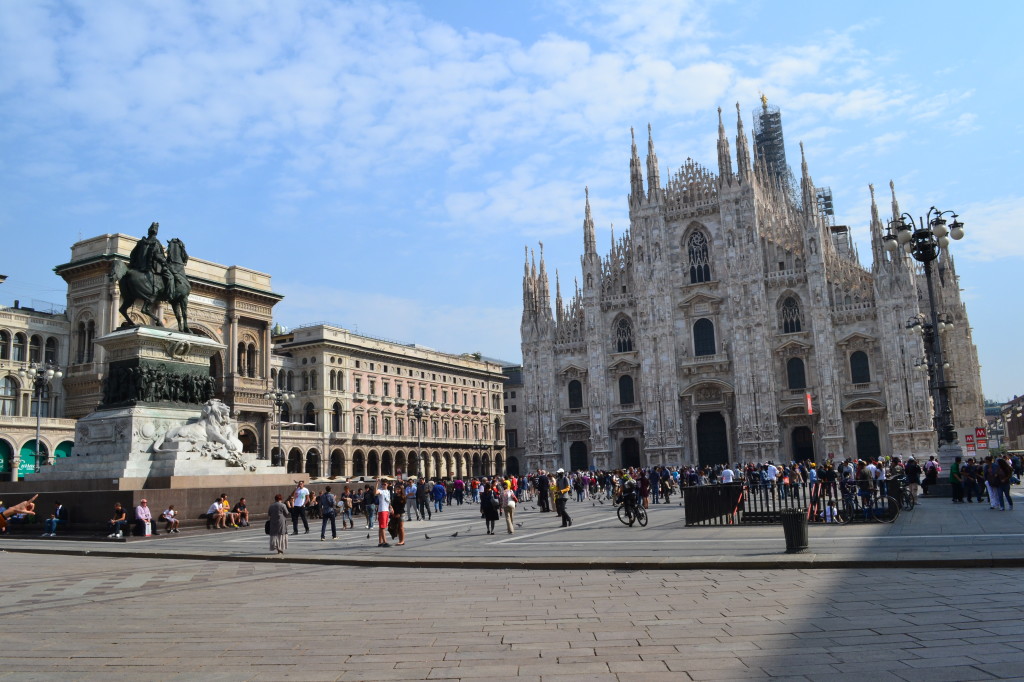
{"x":387,"y":162}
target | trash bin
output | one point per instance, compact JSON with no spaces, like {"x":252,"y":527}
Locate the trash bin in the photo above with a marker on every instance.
{"x":794,"y":525}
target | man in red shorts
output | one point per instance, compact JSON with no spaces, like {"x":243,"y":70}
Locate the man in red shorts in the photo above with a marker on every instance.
{"x":383,"y":511}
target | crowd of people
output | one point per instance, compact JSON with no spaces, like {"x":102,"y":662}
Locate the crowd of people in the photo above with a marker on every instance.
{"x":388,"y":504}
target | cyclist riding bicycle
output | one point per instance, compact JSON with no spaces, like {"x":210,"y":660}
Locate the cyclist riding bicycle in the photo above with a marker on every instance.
{"x":629,"y":494}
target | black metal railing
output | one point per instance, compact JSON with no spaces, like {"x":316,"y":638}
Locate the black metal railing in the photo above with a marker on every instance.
{"x":741,"y":504}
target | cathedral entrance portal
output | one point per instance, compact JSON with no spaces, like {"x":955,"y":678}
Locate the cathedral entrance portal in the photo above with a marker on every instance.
{"x":712,"y":439}
{"x":803,"y":444}
{"x":630,"y":453}
{"x":578,"y":456}
{"x":869,"y":447}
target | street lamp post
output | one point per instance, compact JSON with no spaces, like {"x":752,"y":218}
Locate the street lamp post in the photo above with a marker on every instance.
{"x":40,"y":375}
{"x":418,"y":411}
{"x":280,"y":398}
{"x":925,"y":240}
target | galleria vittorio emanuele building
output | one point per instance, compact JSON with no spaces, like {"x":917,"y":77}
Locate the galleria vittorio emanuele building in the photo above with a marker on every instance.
{"x":734,"y":322}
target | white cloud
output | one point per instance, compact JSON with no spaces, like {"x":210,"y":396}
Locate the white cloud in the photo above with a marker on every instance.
{"x":992,"y":229}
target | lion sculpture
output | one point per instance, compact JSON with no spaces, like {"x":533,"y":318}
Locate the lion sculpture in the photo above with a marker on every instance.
{"x":214,"y":432}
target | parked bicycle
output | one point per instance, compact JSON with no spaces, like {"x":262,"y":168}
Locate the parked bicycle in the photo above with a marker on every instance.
{"x":859,"y":504}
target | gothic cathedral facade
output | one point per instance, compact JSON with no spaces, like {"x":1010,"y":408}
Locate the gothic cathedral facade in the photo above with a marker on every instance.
{"x":734,"y":322}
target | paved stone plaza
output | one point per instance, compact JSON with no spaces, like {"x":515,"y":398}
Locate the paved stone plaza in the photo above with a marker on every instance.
{"x":91,"y":618}
{"x":213,"y":605}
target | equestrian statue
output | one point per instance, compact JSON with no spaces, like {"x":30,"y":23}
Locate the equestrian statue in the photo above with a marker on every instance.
{"x":154,"y":275}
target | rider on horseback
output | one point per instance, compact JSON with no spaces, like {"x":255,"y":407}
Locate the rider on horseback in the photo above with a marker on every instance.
{"x":148,"y":256}
{"x":154,"y":276}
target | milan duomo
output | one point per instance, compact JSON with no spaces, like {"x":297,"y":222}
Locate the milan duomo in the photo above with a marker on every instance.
{"x":734,"y":322}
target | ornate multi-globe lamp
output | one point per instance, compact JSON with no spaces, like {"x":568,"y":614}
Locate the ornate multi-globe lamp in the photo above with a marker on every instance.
{"x":925,"y":240}
{"x":40,"y":376}
{"x":280,"y":399}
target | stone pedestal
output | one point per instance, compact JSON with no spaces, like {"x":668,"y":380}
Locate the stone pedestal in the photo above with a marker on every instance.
{"x":157,"y":421}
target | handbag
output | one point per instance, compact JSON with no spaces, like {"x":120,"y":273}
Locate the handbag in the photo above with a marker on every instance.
{"x":266,"y":527}
{"x":393,"y":526}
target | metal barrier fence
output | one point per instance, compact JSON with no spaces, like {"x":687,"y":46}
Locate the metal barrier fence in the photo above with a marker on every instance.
{"x":730,"y":504}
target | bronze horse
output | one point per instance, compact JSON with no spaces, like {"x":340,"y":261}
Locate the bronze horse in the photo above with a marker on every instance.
{"x":171,"y":286}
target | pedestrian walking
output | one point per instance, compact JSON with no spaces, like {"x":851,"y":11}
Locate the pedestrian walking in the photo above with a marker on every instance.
{"x":489,"y":505}
{"x":328,"y":512}
{"x":543,"y":483}
{"x":369,"y":506}
{"x":508,"y":504}
{"x":562,"y":488}
{"x":346,"y":504}
{"x":383,"y":512}
{"x":298,"y":501}
{"x":277,"y":525}
{"x":398,"y":507}
{"x":423,"y":500}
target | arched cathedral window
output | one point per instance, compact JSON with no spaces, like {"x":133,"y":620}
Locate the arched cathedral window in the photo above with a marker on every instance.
{"x":700,"y":259}
{"x":623,"y":336}
{"x":860,"y":369}
{"x":625,"y":390}
{"x":575,"y":395}
{"x":795,"y":374}
{"x":703,"y":337}
{"x":790,"y":316}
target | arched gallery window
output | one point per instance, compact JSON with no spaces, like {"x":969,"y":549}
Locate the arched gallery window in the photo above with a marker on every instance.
{"x":703,"y":337}
{"x":860,"y":368}
{"x":790,"y":316}
{"x":700,"y":260}
{"x":575,"y":395}
{"x":35,"y":349}
{"x":626,"y":390}
{"x":8,"y":397}
{"x":309,"y":417}
{"x":50,"y":356}
{"x":5,"y":345}
{"x":623,"y":336}
{"x":20,"y":343}
{"x":359,"y":423}
{"x":795,"y":374}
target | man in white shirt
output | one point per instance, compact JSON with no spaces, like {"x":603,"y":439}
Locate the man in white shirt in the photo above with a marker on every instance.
{"x":383,"y":511}
{"x":726,"y":475}
{"x":299,"y":507}
{"x":773,"y":473}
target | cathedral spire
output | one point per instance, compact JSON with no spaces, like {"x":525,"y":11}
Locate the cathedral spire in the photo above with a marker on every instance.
{"x":742,"y":151}
{"x":529,"y":297}
{"x":724,"y":157}
{"x":877,"y":245}
{"x":895,"y":204}
{"x":806,"y":185}
{"x":543,"y":286}
{"x":653,"y":176}
{"x":636,"y":176}
{"x":558,"y":298}
{"x":589,"y":240}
